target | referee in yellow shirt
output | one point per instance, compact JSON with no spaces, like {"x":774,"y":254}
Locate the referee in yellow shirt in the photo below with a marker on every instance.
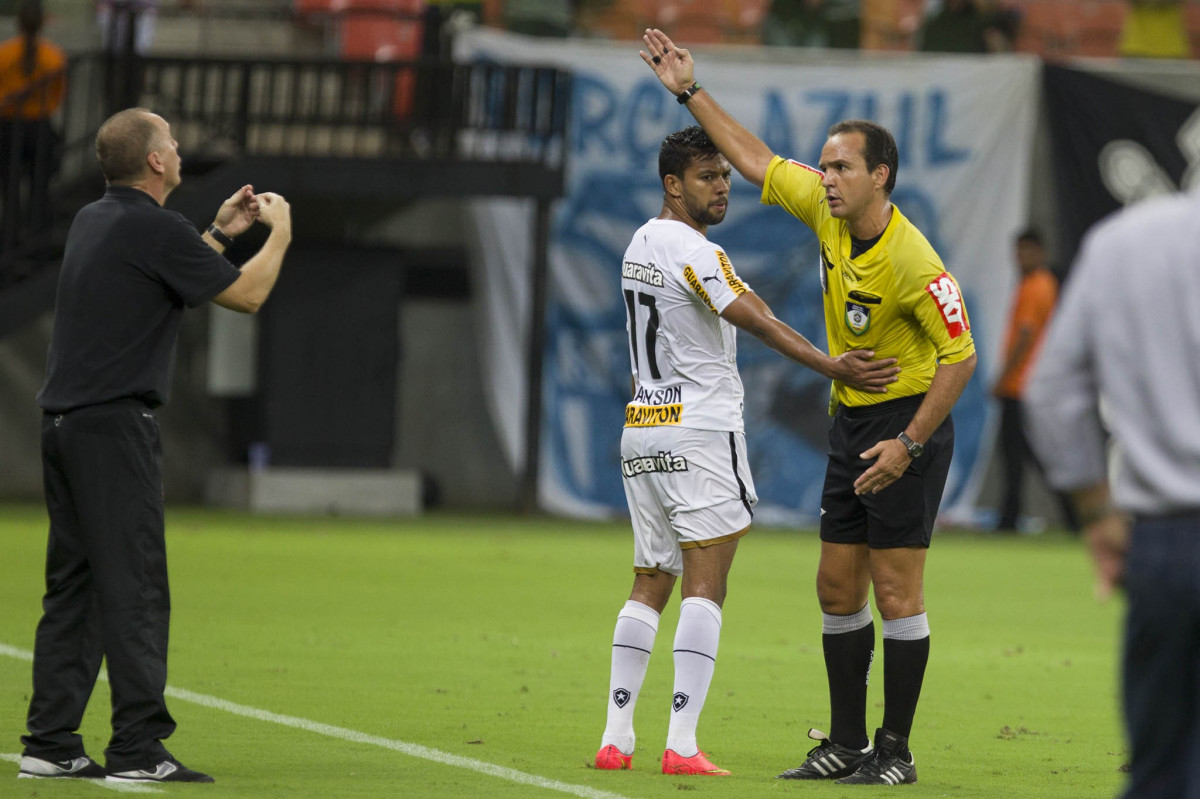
{"x":885,"y":289}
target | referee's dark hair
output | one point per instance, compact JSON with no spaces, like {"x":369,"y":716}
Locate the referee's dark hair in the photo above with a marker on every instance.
{"x":123,"y":142}
{"x":1030,"y":235}
{"x":681,"y":148}
{"x":879,"y":147}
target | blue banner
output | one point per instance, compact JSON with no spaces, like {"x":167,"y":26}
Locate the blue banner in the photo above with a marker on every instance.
{"x":963,"y":128}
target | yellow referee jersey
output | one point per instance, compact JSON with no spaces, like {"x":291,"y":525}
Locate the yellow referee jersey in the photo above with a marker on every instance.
{"x":896,"y":298}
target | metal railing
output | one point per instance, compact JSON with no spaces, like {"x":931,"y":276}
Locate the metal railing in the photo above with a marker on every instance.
{"x":361,"y":109}
{"x":221,"y":108}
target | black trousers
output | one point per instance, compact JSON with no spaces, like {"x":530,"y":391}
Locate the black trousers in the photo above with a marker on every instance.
{"x":106,"y":585}
{"x":1015,"y":453}
{"x":1161,"y":679}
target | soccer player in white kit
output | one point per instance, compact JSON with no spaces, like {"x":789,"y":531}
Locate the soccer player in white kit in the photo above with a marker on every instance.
{"x":683,"y":450}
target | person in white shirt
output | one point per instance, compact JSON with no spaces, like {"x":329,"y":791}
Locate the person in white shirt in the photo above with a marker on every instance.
{"x":1121,"y":354}
{"x":683,"y":451}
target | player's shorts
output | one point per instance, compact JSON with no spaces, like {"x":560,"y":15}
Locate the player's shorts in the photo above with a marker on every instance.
{"x":685,"y":488}
{"x":901,"y":515}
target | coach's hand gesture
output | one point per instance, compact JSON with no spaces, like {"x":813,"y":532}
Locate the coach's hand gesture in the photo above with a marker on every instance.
{"x":275,"y":213}
{"x":237,"y":214}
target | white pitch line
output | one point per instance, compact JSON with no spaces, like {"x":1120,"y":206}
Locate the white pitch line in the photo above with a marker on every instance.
{"x":127,"y":787}
{"x":403,"y":747}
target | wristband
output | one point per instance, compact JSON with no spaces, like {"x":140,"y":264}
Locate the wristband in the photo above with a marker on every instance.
{"x":687,"y":93}
{"x":219,"y":236}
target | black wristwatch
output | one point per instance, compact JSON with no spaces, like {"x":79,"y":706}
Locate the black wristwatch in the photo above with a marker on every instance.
{"x":915,"y":450}
{"x":220,"y":236}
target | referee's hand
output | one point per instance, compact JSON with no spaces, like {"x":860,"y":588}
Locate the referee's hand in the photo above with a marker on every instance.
{"x":891,"y":459}
{"x":672,"y":64}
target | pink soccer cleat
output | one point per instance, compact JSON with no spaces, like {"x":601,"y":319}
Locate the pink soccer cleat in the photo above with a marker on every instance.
{"x":696,"y":764}
{"x":610,"y":758}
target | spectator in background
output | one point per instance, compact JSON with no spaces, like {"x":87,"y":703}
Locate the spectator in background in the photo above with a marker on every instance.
{"x":968,"y":26}
{"x":32,"y":82}
{"x":1127,"y":330}
{"x":1154,"y":29}
{"x":812,"y":23}
{"x":114,"y":17}
{"x":1033,"y":304}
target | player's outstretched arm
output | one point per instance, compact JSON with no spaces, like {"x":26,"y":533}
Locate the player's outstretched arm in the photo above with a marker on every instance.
{"x":857,"y":368}
{"x":749,"y":155}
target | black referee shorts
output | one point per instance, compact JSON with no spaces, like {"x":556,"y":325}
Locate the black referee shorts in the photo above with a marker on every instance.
{"x":901,"y":515}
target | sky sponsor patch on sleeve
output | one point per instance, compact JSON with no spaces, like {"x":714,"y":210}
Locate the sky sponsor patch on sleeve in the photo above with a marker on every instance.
{"x":945,"y":293}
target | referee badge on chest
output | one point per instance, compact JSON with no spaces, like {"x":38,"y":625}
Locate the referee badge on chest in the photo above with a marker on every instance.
{"x":858,"y":317}
{"x":858,"y":310}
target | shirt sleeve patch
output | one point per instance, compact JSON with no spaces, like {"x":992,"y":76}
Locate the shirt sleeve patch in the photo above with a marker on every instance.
{"x":731,"y":279}
{"x":945,"y":293}
{"x":814,"y":170}
{"x":698,"y":287}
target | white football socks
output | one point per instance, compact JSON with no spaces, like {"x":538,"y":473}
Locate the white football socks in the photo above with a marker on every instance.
{"x":633,"y":640}
{"x":696,"y":641}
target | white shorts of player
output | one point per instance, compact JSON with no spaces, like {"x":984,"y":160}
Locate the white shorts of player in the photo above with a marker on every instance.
{"x":685,"y":488}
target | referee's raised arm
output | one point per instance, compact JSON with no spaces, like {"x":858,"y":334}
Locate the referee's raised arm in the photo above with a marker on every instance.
{"x":674,"y":66}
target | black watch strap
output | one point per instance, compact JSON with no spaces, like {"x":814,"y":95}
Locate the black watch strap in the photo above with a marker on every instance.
{"x":687,"y":93}
{"x":219,"y":236}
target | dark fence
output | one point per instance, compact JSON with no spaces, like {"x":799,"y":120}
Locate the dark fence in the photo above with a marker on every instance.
{"x":361,"y":109}
{"x":425,"y":110}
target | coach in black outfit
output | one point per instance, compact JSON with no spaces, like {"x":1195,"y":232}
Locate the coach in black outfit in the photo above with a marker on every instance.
{"x":129,"y":270}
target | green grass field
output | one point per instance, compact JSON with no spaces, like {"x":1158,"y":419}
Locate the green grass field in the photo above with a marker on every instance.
{"x":462,"y":656}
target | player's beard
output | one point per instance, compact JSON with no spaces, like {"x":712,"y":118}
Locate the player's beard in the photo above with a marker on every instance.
{"x":708,"y":216}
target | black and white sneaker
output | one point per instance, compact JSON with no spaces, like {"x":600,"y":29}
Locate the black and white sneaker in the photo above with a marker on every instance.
{"x":79,"y":767}
{"x":827,"y":760}
{"x":170,"y":770}
{"x":890,"y":764}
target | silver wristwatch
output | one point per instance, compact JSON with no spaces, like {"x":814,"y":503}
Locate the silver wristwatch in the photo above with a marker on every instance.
{"x":915,"y":450}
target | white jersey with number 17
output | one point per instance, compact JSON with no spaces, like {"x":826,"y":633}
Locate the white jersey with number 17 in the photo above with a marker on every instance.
{"x":675,"y":284}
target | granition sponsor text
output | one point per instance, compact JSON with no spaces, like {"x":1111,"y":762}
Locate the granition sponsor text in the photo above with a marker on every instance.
{"x":662,"y":462}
